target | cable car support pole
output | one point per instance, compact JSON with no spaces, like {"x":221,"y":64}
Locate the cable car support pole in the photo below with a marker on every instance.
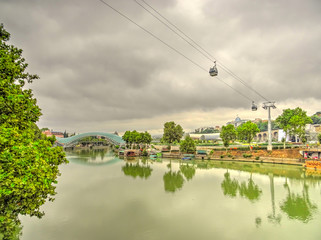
{"x":268,"y":106}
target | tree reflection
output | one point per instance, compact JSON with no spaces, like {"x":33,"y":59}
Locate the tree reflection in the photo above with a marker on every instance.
{"x":136,"y":170}
{"x":250,"y":190}
{"x":188,"y":171}
{"x":229,"y":186}
{"x":173,"y":180}
{"x":298,"y":206}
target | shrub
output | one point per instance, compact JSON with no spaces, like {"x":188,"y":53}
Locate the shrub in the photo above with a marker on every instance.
{"x":245,"y":155}
{"x":222,"y":156}
{"x":257,"y":158}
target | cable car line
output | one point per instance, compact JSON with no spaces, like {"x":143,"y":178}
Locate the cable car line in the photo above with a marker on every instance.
{"x":174,"y":49}
{"x":173,"y":30}
{"x":177,"y":28}
{"x":204,"y":52}
{"x":153,"y":35}
{"x":235,"y":89}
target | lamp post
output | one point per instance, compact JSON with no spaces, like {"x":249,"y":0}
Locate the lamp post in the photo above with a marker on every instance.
{"x":268,"y":106}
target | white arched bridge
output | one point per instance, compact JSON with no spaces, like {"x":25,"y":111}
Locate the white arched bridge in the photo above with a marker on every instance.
{"x":72,"y":141}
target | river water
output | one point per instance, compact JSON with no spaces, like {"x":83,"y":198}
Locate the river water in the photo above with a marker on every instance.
{"x":103,"y":197}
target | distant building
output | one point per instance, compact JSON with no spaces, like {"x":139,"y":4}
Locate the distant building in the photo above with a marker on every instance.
{"x":207,"y":130}
{"x":312,"y":131}
{"x":277,"y":136}
{"x":237,"y":122}
{"x":49,"y":133}
{"x":207,"y":137}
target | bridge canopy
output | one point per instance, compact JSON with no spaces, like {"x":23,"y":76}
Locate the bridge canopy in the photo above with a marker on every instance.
{"x":69,"y":141}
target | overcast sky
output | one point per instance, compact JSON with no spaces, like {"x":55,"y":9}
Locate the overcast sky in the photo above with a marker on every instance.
{"x":100,"y":72}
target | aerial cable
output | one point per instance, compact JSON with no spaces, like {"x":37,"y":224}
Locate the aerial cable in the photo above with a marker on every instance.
{"x":174,"y":49}
{"x":189,"y":38}
{"x":153,"y":35}
{"x":204,"y":52}
{"x":235,"y":89}
{"x":169,"y":27}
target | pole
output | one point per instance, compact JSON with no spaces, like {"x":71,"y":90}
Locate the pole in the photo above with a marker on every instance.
{"x":268,"y":106}
{"x":269,"y":148}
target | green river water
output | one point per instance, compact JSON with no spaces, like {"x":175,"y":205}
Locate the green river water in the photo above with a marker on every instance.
{"x":103,"y":197}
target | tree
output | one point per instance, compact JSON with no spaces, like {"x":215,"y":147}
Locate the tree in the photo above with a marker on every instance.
{"x":28,"y":162}
{"x":172,"y":132}
{"x":293,"y":121}
{"x":247,"y":131}
{"x":65,"y":134}
{"x":316,"y":119}
{"x":146,"y":138}
{"x":126,"y":137}
{"x":188,"y":145}
{"x":131,"y":137}
{"x":228,"y":134}
{"x":263,"y":126}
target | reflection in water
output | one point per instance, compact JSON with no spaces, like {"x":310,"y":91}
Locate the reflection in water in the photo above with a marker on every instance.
{"x":229,"y":186}
{"x":173,"y":180}
{"x":248,"y":189}
{"x":136,"y":170}
{"x":261,"y":211}
{"x":92,"y":156}
{"x":298,"y":206}
{"x":188,"y":171}
{"x":273,"y":217}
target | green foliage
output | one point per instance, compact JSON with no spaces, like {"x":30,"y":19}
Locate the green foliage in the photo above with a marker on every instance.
{"x":228,"y":134}
{"x":188,"y":145}
{"x":28,"y":162}
{"x":172,"y":132}
{"x":257,"y":158}
{"x":263,"y":126}
{"x":316,"y":119}
{"x":293,"y":121}
{"x":247,"y":131}
{"x":134,"y":137}
{"x":245,"y":155}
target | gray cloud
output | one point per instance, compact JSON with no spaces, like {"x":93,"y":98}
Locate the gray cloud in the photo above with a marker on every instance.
{"x":97,"y":68}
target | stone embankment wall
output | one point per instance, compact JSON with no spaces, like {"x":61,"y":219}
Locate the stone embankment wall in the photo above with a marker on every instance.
{"x":281,"y":156}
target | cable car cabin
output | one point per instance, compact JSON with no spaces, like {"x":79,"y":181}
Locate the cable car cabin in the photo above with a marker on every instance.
{"x":254,"y":107}
{"x":213,"y":70}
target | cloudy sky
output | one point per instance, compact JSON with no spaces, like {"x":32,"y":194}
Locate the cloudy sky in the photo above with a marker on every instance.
{"x":101,"y":72}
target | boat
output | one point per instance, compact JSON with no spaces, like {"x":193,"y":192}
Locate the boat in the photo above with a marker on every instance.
{"x":188,"y":156}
